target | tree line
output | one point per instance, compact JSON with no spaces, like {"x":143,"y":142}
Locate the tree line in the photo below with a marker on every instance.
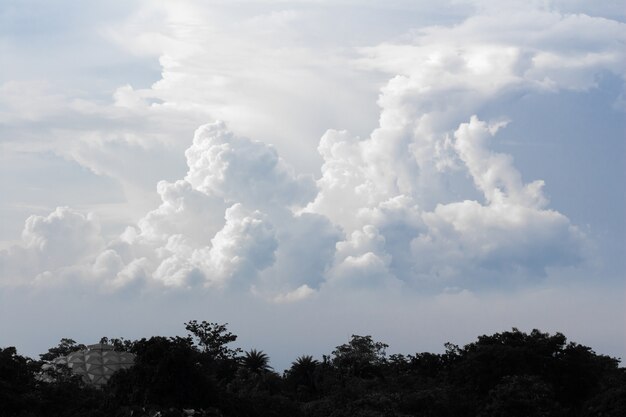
{"x":506,"y":374}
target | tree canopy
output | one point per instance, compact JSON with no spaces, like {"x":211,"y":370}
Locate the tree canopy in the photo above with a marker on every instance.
{"x":510,"y":374}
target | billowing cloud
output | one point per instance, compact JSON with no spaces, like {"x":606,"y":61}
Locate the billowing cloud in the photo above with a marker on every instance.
{"x":394,"y":236}
{"x":216,"y":227}
{"x":428,"y":135}
{"x":423,"y":201}
{"x":238,"y":169}
{"x":511,"y":231}
{"x":58,"y":243}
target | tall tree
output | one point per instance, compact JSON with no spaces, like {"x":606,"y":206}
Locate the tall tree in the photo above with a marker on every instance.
{"x":213,"y":339}
{"x":64,"y":348}
{"x":301,"y":375}
{"x":16,"y":382}
{"x":256,"y":361}
{"x":361,"y":356}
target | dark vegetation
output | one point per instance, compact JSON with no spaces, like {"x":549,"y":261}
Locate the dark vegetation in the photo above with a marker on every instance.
{"x":505,"y":374}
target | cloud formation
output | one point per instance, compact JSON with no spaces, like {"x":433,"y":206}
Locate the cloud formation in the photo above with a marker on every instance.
{"x":215,"y":226}
{"x":423,"y":202}
{"x":52,"y":245}
{"x":238,"y":220}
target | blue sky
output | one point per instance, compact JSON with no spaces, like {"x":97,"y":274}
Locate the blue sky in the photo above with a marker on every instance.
{"x":420,"y":171}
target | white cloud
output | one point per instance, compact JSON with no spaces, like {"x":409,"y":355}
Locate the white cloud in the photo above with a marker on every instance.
{"x":132,"y":275}
{"x":240,"y":170}
{"x":63,"y":237}
{"x":108,"y":263}
{"x":389,"y":209}
{"x":442,"y":76}
{"x":476,"y":241}
{"x":202,"y":233}
{"x":63,"y":240}
{"x":496,"y":52}
{"x":301,"y":293}
{"x":245,"y":245}
{"x":493,"y":173}
{"x":395,"y":238}
{"x":361,"y":261}
{"x":183,"y":211}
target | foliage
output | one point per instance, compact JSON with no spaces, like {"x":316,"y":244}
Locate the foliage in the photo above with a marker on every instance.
{"x":521,"y":396}
{"x":213,"y":338}
{"x":64,"y":348}
{"x":361,"y":356}
{"x":505,"y":374}
{"x":119,"y":344}
{"x":15,"y":381}
{"x":301,"y":376}
{"x":256,"y":361}
{"x":168,"y":372}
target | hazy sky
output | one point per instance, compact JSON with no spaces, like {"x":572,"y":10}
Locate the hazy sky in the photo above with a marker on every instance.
{"x":419,"y":171}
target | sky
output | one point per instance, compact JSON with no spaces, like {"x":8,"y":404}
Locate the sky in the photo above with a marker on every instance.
{"x":423,"y":172}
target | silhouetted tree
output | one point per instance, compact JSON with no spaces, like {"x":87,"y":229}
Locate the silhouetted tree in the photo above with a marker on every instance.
{"x":213,"y":338}
{"x":521,"y":396}
{"x":167,"y":372}
{"x":360,"y":356}
{"x":611,"y":400}
{"x":505,"y":374}
{"x":574,"y":371}
{"x":256,"y":361}
{"x":301,"y":375}
{"x":119,"y":344}
{"x":64,"y":348}
{"x":16,"y":382}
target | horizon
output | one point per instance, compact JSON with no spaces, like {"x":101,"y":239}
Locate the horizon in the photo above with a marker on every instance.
{"x":386,"y":353}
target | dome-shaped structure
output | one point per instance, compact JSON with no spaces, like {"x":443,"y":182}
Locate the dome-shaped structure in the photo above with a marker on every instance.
{"x":96,"y":364}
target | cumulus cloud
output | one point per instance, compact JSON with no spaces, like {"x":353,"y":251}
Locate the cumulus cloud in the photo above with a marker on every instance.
{"x":493,"y":173}
{"x":238,"y":169}
{"x":427,"y":134}
{"x":384,"y":211}
{"x":218,"y":229}
{"x":396,"y":237}
{"x":213,"y":228}
{"x":221,"y":225}
{"x":62,"y":241}
{"x":245,"y":245}
{"x":307,"y":244}
{"x":300,"y":293}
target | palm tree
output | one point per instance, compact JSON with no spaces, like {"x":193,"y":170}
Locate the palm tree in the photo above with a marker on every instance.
{"x":256,"y":361}
{"x":302,"y":371}
{"x":304,"y":363}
